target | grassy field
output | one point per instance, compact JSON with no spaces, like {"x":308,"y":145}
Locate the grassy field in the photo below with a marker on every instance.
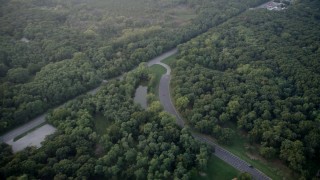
{"x":157,"y":70}
{"x":250,"y":153}
{"x":170,"y":60}
{"x":100,"y":124}
{"x":181,"y":14}
{"x":217,"y":169}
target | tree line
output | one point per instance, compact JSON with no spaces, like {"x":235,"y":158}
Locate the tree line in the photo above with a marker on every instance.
{"x":112,"y":37}
{"x":137,"y":143}
{"x":258,"y":71}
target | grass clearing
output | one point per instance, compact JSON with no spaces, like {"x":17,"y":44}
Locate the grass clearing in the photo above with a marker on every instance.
{"x":217,"y":169}
{"x":250,"y":153}
{"x":170,"y":60}
{"x":157,"y":70}
{"x":182,"y":14}
{"x":101,"y":124}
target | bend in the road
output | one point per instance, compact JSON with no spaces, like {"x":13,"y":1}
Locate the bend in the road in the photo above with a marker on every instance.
{"x":228,"y":157}
{"x":165,"y":99}
{"x":158,"y":59}
{"x":167,"y":68}
{"x":41,"y":119}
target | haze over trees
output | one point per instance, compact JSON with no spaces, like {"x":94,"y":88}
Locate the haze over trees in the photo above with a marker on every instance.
{"x":111,"y":36}
{"x":260,"y":72}
{"x":136,"y":143}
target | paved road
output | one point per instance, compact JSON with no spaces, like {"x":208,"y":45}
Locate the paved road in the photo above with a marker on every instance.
{"x":165,"y":99}
{"x":41,"y":119}
{"x":9,"y":136}
{"x":163,"y":56}
{"x":33,"y":138}
{"x":26,"y":127}
{"x":231,"y":159}
{"x":228,"y":157}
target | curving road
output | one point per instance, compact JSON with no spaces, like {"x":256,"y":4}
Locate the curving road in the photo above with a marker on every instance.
{"x":163,"y":56}
{"x":9,"y":136}
{"x":165,"y":99}
{"x":228,"y":157}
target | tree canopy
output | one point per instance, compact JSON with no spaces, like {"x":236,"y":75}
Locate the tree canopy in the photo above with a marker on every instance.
{"x":137,"y":143}
{"x":259,"y":71}
{"x":111,"y":36}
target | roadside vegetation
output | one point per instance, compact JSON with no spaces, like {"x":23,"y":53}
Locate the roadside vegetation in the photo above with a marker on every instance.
{"x":241,"y":146}
{"x":52,"y":51}
{"x":170,"y":60}
{"x":27,"y":132}
{"x":135,"y":144}
{"x":252,"y":84}
{"x":217,"y":169}
{"x":157,"y":71}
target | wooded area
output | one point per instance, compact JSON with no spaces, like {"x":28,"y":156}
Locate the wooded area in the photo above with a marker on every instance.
{"x":259,"y":71}
{"x":108,"y":37}
{"x":137,"y":144}
{"x":52,"y":51}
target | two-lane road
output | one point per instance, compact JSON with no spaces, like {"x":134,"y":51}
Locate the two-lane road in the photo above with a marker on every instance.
{"x":231,"y":159}
{"x":9,"y":136}
{"x":166,"y":101}
{"x":24,"y":128}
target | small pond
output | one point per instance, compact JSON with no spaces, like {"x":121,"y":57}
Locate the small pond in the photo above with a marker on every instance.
{"x":140,"y":96}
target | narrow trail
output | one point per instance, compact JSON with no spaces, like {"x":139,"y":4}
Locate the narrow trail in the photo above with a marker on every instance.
{"x":223,"y":154}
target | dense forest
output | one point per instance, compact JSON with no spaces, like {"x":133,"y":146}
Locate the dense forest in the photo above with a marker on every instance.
{"x":54,"y":50}
{"x":260,"y":71}
{"x":136,"y":144}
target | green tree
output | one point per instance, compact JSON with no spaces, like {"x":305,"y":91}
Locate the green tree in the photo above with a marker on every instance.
{"x":18,"y":75}
{"x":245,"y":176}
{"x":3,"y":70}
{"x":292,"y":152}
{"x":182,"y":102}
{"x":268,"y":152}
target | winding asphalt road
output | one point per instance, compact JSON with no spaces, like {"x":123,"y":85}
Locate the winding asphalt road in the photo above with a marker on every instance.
{"x":165,"y":99}
{"x":9,"y":136}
